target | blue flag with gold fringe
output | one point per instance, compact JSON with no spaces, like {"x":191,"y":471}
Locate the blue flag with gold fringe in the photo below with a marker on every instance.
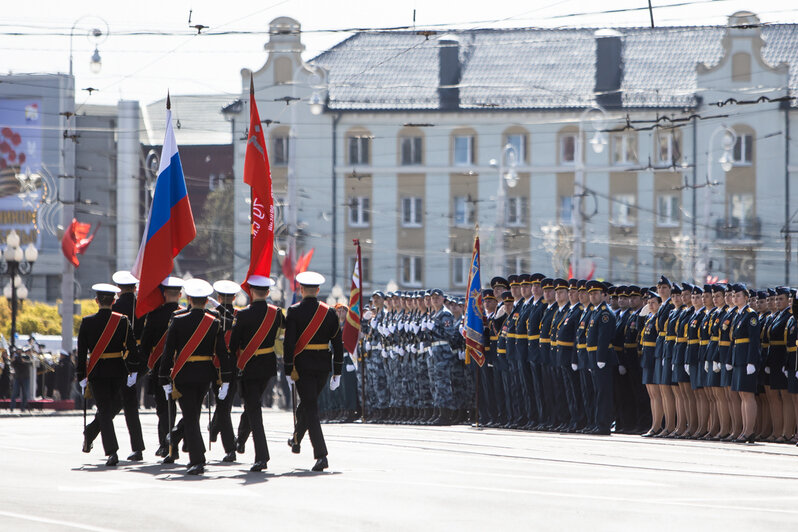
{"x":475,"y":315}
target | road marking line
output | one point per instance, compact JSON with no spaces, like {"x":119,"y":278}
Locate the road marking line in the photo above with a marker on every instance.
{"x":54,"y":521}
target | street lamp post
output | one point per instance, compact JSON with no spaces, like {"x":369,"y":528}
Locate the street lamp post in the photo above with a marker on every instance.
{"x":597,"y":142}
{"x":17,"y":262}
{"x":98,"y":35}
{"x":507,"y":174}
{"x":726,"y":162}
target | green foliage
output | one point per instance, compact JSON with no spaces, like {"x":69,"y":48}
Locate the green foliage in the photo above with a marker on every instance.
{"x":40,"y":318}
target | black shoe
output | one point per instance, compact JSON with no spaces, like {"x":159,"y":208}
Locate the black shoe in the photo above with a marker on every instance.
{"x":162,"y":451}
{"x":240,"y":445}
{"x":169,"y":459}
{"x":112,"y":460}
{"x":258,"y":466}
{"x":87,"y":445}
{"x":294,"y":446}
{"x":320,"y":465}
{"x":196,"y":469}
{"x":135,"y":457}
{"x":229,"y":457}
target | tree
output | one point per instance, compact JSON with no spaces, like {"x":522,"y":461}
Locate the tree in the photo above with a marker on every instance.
{"x":214,"y":240}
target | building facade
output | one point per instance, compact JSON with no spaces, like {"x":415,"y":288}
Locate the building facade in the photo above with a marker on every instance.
{"x":661,"y":151}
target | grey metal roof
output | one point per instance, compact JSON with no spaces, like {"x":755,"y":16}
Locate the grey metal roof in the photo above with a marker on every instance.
{"x":197,"y":119}
{"x":532,"y":68}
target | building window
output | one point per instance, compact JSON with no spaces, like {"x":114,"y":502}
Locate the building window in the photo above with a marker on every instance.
{"x":359,"y":213}
{"x":518,"y":142}
{"x":280,"y":148}
{"x":566,"y":214}
{"x":521,"y":264}
{"x":460,"y":269}
{"x":411,"y":150}
{"x":666,"y":264}
{"x":624,"y":148}
{"x":411,"y":270}
{"x":623,"y":210}
{"x":567,"y":149}
{"x":743,"y":150}
{"x":359,"y":148}
{"x":464,"y":215}
{"x":463,"y":150}
{"x":411,"y":212}
{"x":668,"y":210}
{"x":365,"y":263}
{"x":668,"y":148}
{"x":516,"y":212}
{"x":622,"y":267}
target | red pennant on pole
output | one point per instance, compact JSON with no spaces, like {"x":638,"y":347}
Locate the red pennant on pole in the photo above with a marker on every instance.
{"x":258,"y":176}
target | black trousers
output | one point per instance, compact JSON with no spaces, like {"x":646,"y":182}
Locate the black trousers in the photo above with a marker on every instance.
{"x":588,"y":396}
{"x":498,"y":396}
{"x":162,"y":411}
{"x":106,"y":394}
{"x":602,"y":384}
{"x":221,"y":423}
{"x":251,"y":392}
{"x":125,"y":399}
{"x":191,"y":406}
{"x":309,"y":387}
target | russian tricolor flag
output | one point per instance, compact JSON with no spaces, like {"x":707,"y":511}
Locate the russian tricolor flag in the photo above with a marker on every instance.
{"x":170,"y":225}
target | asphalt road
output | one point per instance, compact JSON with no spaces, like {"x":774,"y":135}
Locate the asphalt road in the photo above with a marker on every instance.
{"x":386,"y":477}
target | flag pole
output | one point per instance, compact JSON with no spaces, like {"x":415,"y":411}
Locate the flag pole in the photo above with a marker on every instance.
{"x":360,"y":340}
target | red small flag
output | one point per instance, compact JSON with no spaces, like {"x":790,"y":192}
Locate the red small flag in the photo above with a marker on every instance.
{"x":76,"y":240}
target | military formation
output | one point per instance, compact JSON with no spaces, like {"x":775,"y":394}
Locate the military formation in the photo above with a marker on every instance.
{"x":190,"y":354}
{"x":675,"y":360}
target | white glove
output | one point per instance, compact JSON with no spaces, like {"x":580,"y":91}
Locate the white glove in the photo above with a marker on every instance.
{"x":687,"y":368}
{"x":767,"y":370}
{"x":83,"y":384}
{"x":167,"y":388}
{"x":461,"y":355}
{"x":796,"y":374}
{"x":367,"y":316}
{"x":622,"y":370}
{"x":350,"y":367}
{"x":729,"y":367}
{"x":384,"y":354}
{"x":131,"y":379}
{"x":784,"y":370}
{"x":601,"y":365}
{"x":574,"y":367}
{"x":367,"y":346}
{"x":716,"y":367}
{"x":706,"y":366}
{"x":335,"y":382}
{"x":673,"y":367}
{"x":223,"y":390}
{"x":750,"y":369}
{"x":289,"y":380}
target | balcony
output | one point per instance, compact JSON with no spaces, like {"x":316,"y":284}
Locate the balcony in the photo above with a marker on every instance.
{"x":734,"y":228}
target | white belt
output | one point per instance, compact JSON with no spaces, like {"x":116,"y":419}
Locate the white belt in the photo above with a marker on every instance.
{"x":439,"y":344}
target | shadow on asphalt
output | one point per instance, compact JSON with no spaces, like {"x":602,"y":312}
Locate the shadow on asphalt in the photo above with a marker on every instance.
{"x":177,"y":472}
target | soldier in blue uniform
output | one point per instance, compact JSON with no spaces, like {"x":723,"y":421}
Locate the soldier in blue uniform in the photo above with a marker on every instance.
{"x":488,"y":414}
{"x":648,"y":361}
{"x":601,"y":356}
{"x":783,"y":420}
{"x":745,"y":359}
{"x":540,"y":408}
{"x":441,"y":330}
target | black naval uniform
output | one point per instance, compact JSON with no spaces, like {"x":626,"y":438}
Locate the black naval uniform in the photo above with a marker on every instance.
{"x":194,"y":379}
{"x":312,"y":366}
{"x":155,"y":326}
{"x":108,"y":376}
{"x":128,"y":399}
{"x":221,"y":423}
{"x":259,"y":369}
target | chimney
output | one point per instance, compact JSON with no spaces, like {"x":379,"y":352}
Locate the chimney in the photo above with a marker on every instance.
{"x":449,"y":72}
{"x":609,"y":68}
